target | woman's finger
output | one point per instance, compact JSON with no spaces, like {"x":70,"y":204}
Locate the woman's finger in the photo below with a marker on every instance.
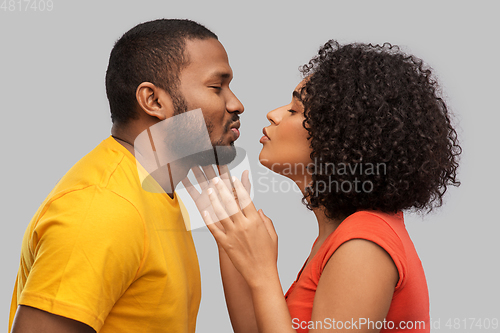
{"x":219,"y":210}
{"x":200,"y":177}
{"x":227,"y":198}
{"x":224,"y":172}
{"x":193,"y":192}
{"x":269,"y":225}
{"x":225,"y":176}
{"x":245,"y":180}
{"x":210,"y":209}
{"x":209,"y":171}
{"x":246,"y":203}
{"x":218,"y":234}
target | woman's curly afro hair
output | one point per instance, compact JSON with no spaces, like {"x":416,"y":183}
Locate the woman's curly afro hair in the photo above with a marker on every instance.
{"x":380,"y":134}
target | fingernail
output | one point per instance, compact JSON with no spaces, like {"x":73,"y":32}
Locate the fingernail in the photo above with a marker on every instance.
{"x":215,"y":180}
{"x":233,"y":178}
{"x":210,"y":191}
{"x":205,"y":213}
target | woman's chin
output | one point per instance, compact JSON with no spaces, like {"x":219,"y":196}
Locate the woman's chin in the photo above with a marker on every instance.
{"x":268,"y":164}
{"x":265,"y":162}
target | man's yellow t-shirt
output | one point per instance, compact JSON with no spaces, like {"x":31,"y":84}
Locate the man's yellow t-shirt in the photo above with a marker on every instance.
{"x":105,"y":252}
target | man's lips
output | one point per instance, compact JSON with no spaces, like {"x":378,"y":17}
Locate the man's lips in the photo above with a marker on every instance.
{"x":235,"y":130}
{"x":265,"y":137}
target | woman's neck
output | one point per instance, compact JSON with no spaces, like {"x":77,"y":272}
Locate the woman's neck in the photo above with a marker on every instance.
{"x":325,"y":225}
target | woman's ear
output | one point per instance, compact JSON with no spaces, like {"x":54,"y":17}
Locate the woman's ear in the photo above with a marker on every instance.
{"x":154,"y":101}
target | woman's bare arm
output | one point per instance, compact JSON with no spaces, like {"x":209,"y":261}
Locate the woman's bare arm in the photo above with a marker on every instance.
{"x":238,"y":296}
{"x":356,"y":286}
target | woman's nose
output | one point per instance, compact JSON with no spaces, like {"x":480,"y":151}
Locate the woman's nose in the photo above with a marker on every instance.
{"x":276,"y":115}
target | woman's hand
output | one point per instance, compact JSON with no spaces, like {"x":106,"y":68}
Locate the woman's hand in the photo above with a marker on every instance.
{"x":236,"y":290}
{"x":247,"y":235}
{"x":201,"y":198}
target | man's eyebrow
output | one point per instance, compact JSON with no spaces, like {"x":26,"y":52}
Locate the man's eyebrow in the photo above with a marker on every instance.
{"x":220,"y":74}
{"x":297,"y":95}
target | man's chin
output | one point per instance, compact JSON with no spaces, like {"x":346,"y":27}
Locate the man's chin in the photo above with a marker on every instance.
{"x":225,"y":154}
{"x":220,"y":155}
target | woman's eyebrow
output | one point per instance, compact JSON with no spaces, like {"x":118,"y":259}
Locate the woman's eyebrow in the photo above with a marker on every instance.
{"x":296,"y":95}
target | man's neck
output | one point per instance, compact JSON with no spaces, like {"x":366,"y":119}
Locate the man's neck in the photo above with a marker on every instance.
{"x":168,"y":176}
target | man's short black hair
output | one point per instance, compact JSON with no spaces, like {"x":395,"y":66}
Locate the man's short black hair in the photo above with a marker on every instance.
{"x":150,"y":52}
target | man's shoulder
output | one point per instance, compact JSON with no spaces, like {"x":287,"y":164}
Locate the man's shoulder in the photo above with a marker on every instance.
{"x":98,"y":168}
{"x":80,"y":203}
{"x":104,"y":174}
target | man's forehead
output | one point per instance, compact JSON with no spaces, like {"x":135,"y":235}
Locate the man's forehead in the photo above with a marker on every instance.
{"x":205,"y":50}
{"x":208,"y":57}
{"x":224,"y":74}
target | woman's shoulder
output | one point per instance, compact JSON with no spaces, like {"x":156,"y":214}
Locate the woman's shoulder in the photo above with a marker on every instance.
{"x":382,"y":229}
{"x":374,"y":216}
{"x":370,"y":225}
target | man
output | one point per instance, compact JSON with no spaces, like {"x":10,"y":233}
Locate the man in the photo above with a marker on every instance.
{"x":102,"y":254}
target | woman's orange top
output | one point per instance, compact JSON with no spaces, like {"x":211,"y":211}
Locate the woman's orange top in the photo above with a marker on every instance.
{"x":410,"y":303}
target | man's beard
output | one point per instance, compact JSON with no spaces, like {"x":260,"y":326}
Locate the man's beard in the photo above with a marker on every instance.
{"x":190,"y":134}
{"x":219,"y":155}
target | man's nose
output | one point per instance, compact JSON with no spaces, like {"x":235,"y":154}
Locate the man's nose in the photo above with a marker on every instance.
{"x":234,"y":105}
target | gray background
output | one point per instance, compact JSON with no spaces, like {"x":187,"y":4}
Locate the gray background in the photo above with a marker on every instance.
{"x":54,"y":110}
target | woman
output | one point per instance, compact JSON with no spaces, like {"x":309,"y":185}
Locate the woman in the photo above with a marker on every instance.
{"x":367,"y":136}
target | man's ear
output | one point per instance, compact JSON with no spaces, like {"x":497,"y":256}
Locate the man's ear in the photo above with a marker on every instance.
{"x":154,"y":101}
